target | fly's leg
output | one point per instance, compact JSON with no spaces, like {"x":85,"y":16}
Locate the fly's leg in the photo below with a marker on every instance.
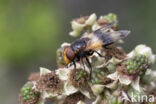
{"x":90,"y":66}
{"x":107,"y":57}
{"x":74,"y":64}
{"x":82,"y":63}
{"x":106,"y":45}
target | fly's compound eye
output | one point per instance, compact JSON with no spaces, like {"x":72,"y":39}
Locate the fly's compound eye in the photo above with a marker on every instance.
{"x":70,"y":53}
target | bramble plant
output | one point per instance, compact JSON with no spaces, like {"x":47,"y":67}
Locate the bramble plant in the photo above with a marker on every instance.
{"x":120,"y":79}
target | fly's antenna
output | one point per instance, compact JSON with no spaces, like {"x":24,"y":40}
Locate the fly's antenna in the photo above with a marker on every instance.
{"x":104,"y":28}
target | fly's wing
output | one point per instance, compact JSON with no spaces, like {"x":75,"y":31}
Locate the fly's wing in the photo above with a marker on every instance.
{"x":97,"y":40}
{"x":117,"y":35}
{"x":94,"y":41}
{"x":102,"y":29}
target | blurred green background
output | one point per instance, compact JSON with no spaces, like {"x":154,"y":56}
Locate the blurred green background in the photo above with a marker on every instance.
{"x":32,"y":30}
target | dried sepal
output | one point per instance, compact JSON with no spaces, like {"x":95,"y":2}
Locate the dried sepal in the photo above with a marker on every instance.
{"x":44,"y":71}
{"x":112,"y":85}
{"x":79,"y":78}
{"x":91,"y":19}
{"x":50,"y":82}
{"x":34,"y":76}
{"x":97,"y":89}
{"x":136,"y":84}
{"x":86,"y":92}
{"x":74,"y":98}
{"x":69,"y":88}
{"x":115,"y":52}
{"x":62,"y":73}
{"x":81,"y":24}
{"x":113,"y":76}
{"x":123,"y":79}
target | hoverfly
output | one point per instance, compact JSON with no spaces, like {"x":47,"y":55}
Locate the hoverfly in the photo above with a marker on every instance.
{"x":88,"y":44}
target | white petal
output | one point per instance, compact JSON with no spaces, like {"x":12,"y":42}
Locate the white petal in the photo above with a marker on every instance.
{"x":62,"y":73}
{"x":97,"y":89}
{"x":61,"y":97}
{"x":140,"y":47}
{"x":131,"y":54}
{"x":98,"y":100}
{"x":135,"y":84}
{"x":152,"y":59}
{"x":76,"y":26}
{"x":44,"y":71}
{"x":152,"y":77}
{"x":124,"y":79}
{"x":74,"y":33}
{"x":78,"y":66}
{"x":113,"y":76}
{"x":85,"y":92}
{"x":143,"y":50}
{"x":46,"y":94}
{"x":148,"y":72}
{"x":69,"y":88}
{"x":112,"y":85}
{"x":114,"y":60}
{"x":111,"y":68}
{"x":91,"y":20}
{"x":120,"y":41}
{"x":95,"y":27}
{"x":81,"y":102}
{"x":125,"y":96}
{"x":153,"y":74}
{"x":65,"y":44}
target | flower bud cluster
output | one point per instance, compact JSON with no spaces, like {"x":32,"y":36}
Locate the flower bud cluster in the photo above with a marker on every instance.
{"x":99,"y":76}
{"x":137,"y":65}
{"x":143,"y":50}
{"x":79,"y":78}
{"x":28,"y":95}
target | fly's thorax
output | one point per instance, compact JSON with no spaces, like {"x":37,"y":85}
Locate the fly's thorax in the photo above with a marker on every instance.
{"x":78,"y":45}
